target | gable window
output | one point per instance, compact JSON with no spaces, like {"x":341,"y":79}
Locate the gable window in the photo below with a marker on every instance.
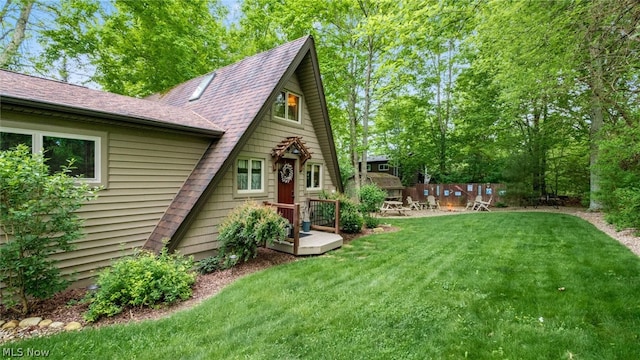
{"x":58,"y":149}
{"x":287,"y":106}
{"x":314,"y":174}
{"x":383,"y":167}
{"x":250,"y":175}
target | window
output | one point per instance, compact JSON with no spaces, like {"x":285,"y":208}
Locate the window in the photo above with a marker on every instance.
{"x":287,"y":107}
{"x":10,"y":140}
{"x":368,"y":167}
{"x":314,"y":174}
{"x":383,"y":167}
{"x":58,"y":149}
{"x":249,"y":175}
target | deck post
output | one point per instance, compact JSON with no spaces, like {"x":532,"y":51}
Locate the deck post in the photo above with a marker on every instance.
{"x":337,"y":227}
{"x":296,"y":228}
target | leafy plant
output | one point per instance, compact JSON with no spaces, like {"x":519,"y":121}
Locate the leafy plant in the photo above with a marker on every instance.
{"x":371,"y":198}
{"x":37,"y":219}
{"x":350,"y":219}
{"x":371,"y":222}
{"x":208,"y":265}
{"x":248,"y":226}
{"x":144,"y":279}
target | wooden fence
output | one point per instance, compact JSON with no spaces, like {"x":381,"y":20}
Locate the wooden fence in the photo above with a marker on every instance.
{"x":456,"y":194}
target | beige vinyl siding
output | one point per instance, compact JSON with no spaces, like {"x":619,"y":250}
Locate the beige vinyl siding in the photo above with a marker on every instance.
{"x":200,"y":239}
{"x":145,"y":170}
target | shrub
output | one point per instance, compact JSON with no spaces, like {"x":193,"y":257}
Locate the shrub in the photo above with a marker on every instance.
{"x":208,"y":265}
{"x":371,"y":222}
{"x":371,"y":198}
{"x":144,"y":279}
{"x":247,"y":227}
{"x":350,"y":219}
{"x":37,"y":219}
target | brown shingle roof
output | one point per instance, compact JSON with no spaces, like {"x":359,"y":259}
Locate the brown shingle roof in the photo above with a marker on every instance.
{"x":54,"y":95}
{"x":385,"y":181}
{"x":237,"y":96}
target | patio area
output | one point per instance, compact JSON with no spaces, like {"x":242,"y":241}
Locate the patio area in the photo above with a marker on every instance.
{"x":311,"y":243}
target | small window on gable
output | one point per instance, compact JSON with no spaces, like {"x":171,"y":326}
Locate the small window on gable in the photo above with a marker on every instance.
{"x":58,"y":149}
{"x":314,"y":176}
{"x":287,"y":107}
{"x":250,"y":175}
{"x":383,"y":167}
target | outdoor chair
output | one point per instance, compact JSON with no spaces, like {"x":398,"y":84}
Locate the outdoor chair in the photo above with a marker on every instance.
{"x":484,"y":205}
{"x":432,"y":203}
{"x":412,"y":204}
{"x":474,"y":204}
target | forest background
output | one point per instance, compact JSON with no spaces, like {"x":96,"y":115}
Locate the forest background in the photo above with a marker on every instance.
{"x":540,"y":95}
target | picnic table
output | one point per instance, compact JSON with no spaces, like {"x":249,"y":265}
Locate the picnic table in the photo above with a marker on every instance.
{"x":392,"y":206}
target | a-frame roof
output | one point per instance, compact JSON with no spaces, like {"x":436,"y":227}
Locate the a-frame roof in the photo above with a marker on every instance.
{"x":236,"y":99}
{"x":228,"y":111}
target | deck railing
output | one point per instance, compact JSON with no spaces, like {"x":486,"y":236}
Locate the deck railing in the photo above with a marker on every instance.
{"x":324,"y":215}
{"x":291,"y":212}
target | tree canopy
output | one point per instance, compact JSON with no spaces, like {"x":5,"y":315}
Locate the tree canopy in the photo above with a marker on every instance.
{"x":523,"y":92}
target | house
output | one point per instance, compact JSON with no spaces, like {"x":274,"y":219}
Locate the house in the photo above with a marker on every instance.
{"x":380,"y":163}
{"x":174,"y":164}
{"x":387,"y":182}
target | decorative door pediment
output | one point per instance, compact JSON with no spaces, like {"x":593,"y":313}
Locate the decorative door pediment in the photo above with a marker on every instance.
{"x":293,"y":145}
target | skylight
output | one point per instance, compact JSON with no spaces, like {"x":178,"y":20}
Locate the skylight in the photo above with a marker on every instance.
{"x":202,"y":87}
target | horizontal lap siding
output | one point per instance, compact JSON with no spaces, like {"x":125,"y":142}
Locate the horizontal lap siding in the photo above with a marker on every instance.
{"x":200,"y":239}
{"x":146,"y":170}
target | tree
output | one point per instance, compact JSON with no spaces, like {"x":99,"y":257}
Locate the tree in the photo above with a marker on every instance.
{"x":37,"y":219}
{"x":138,"y":47}
{"x":13,"y":30}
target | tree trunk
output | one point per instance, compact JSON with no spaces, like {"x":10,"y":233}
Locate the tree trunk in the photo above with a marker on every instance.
{"x":18,"y":34}
{"x":367,"y":106}
{"x":597,"y":121}
{"x":353,"y":128}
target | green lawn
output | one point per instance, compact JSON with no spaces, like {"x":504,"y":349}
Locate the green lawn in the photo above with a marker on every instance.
{"x":482,"y":286}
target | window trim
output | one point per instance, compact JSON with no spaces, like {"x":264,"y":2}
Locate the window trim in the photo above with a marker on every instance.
{"x":309,"y":167}
{"x":37,"y":141}
{"x":249,"y":169}
{"x":286,"y":96}
{"x":383,"y":167}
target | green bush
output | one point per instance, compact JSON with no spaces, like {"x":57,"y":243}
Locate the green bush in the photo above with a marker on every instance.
{"x":371,"y":198}
{"x":371,"y":222}
{"x":145,"y":279}
{"x":350,"y":219}
{"x":209,"y":265}
{"x":351,"y":222}
{"x":619,"y":170}
{"x":247,"y":227}
{"x":37,"y":219}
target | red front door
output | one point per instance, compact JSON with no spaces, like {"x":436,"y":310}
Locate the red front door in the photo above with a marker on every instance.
{"x":286,"y":185}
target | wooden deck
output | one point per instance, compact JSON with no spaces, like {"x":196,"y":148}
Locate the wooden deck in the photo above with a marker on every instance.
{"x":311,"y":243}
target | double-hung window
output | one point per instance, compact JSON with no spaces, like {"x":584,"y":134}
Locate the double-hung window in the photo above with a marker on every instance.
{"x":58,"y":149}
{"x":250,"y":175}
{"x":287,"y":107}
{"x":314,"y":176}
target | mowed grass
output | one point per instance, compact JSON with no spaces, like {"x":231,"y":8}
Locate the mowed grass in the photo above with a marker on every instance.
{"x":479,"y":286}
